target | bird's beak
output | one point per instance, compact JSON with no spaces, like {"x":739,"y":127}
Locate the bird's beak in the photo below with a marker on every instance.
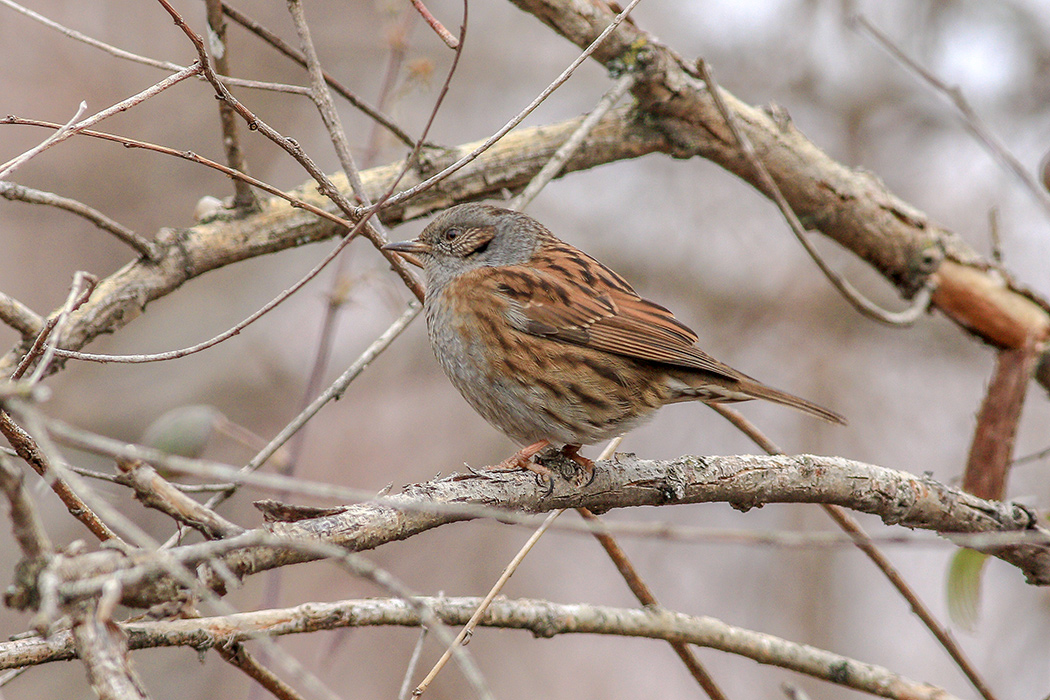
{"x":409,"y":250}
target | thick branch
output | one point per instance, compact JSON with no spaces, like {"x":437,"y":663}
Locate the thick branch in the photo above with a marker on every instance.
{"x":188,"y":253}
{"x":853,"y":207}
{"x":742,"y":481}
{"x":542,"y":618}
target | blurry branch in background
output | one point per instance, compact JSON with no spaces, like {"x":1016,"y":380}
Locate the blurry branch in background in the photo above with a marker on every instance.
{"x":544,"y":619}
{"x":144,"y":60}
{"x":973,"y":123}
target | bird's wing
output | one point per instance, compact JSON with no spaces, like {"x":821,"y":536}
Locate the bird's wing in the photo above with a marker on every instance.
{"x":575,"y":299}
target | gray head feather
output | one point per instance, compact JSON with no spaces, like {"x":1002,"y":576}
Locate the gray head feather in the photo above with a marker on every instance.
{"x":470,"y":236}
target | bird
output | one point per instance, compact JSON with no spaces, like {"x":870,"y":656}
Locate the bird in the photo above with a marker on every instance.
{"x":552,"y":347}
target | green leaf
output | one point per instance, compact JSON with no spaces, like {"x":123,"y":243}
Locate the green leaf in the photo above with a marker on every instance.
{"x":964,"y":588}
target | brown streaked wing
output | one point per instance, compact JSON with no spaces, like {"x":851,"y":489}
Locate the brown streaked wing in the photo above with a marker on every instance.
{"x":594,"y":314}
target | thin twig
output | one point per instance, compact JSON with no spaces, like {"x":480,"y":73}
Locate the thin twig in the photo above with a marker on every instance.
{"x":334,"y":391}
{"x":276,"y":42}
{"x":865,"y":544}
{"x":508,"y":571}
{"x":154,"y":491}
{"x":326,"y":187}
{"x":862,"y":304}
{"x":468,"y":628}
{"x":61,"y":133}
{"x":244,"y":198}
{"x":20,"y":193}
{"x":413,"y":662}
{"x":995,"y":236}
{"x":28,"y":449}
{"x":236,"y":655}
{"x":338,"y":387}
{"x":73,"y":128}
{"x":193,"y":158}
{"x":567,"y":150}
{"x":79,"y":292}
{"x":25,"y":521}
{"x":145,"y":60}
{"x":439,"y":29}
{"x":645,"y":596}
{"x":187,"y":575}
{"x":974,"y":124}
{"x":229,"y":332}
{"x":398,"y":47}
{"x":518,"y":118}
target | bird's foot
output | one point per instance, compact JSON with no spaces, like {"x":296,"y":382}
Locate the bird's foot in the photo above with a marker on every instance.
{"x":522,"y":459}
{"x":587,"y":465}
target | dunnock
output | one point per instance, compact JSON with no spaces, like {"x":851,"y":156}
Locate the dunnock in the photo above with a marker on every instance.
{"x":552,"y":347}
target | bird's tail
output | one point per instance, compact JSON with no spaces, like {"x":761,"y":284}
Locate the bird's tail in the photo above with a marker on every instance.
{"x":757,"y":390}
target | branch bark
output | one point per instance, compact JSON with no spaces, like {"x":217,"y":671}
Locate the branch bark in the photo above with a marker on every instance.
{"x":742,"y":481}
{"x":542,"y":618}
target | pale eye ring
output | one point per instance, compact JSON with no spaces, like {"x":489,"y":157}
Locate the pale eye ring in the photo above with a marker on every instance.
{"x":452,"y":234}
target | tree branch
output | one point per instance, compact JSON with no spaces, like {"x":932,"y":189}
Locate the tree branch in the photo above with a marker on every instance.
{"x":852,"y":207}
{"x":542,"y":618}
{"x":1006,"y":530}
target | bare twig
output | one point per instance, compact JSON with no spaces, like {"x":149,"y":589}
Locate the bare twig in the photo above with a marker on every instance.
{"x":19,"y":193}
{"x":479,"y":612}
{"x":61,"y":133}
{"x":187,"y":575}
{"x":413,"y":661}
{"x":229,"y":332}
{"x":244,"y":197}
{"x":28,"y":450}
{"x":645,"y":596}
{"x":325,"y":185}
{"x":145,"y":60}
{"x":102,"y":646}
{"x":269,"y":37}
{"x":974,"y":124}
{"x":445,"y":35}
{"x":124,"y":105}
{"x":154,"y":491}
{"x":296,"y":202}
{"x":518,"y":118}
{"x":79,"y":292}
{"x":554,"y":166}
{"x":862,"y":304}
{"x":338,"y":387}
{"x":236,"y":655}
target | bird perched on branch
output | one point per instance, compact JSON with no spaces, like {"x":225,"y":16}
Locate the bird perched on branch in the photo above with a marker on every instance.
{"x":552,"y":347}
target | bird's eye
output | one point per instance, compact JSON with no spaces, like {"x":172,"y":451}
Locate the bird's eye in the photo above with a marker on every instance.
{"x":452,"y":234}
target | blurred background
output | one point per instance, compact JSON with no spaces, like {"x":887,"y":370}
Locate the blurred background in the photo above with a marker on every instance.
{"x":685,"y":233}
